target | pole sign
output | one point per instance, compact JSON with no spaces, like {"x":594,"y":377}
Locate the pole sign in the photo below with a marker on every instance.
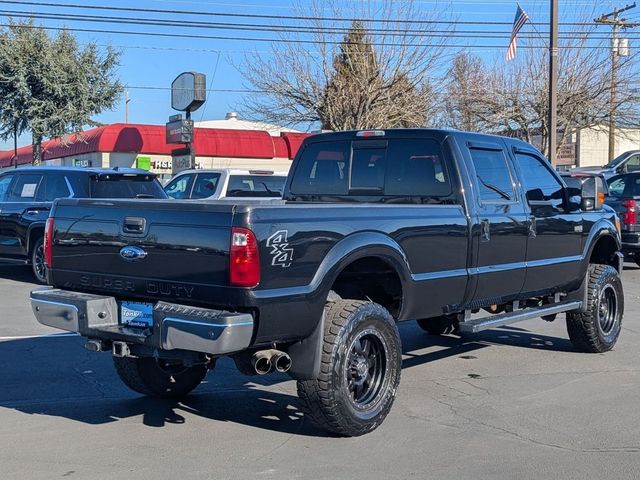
{"x":179,"y":131}
{"x":188,"y":91}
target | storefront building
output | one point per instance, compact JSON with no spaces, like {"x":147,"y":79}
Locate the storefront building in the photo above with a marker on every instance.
{"x":144,"y":146}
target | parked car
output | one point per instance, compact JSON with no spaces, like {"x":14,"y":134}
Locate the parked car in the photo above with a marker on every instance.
{"x":26,"y":196}
{"x":626,"y":162}
{"x":375,"y":227}
{"x":223,"y":183}
{"x":624,"y":197}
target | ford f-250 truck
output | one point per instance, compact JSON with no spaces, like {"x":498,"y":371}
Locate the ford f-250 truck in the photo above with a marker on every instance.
{"x":375,"y":227}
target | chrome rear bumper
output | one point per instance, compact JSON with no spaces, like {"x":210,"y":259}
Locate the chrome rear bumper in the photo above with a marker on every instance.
{"x":175,"y":327}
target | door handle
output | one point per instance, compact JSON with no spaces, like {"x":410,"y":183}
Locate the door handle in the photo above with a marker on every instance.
{"x":485,"y":231}
{"x":533,"y":233}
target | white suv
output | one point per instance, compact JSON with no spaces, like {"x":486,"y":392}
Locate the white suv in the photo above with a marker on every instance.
{"x":221,"y":183}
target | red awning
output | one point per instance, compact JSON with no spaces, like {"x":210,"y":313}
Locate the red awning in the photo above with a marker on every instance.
{"x":150,"y":139}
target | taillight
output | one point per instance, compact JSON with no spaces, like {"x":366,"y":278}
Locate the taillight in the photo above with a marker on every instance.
{"x":48,"y":243}
{"x":244,"y":268}
{"x":631,"y":214}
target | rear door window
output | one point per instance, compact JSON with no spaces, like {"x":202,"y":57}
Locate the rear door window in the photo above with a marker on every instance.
{"x":255,"y":186}
{"x":25,"y":188}
{"x":416,"y":168}
{"x":494,"y":177}
{"x":323,"y":169}
{"x":205,"y":185}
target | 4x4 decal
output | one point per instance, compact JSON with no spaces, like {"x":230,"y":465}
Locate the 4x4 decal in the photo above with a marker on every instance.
{"x":281,"y":252}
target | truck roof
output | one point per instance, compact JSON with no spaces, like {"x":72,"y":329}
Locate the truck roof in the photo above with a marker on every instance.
{"x":439,"y":133}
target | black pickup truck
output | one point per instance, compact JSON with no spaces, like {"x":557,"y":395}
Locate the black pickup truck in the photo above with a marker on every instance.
{"x":455,"y":230}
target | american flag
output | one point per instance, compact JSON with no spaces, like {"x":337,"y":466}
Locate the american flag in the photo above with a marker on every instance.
{"x":518,"y":23}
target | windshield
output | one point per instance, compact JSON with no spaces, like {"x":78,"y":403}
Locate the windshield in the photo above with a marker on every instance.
{"x":617,"y":161}
{"x":121,"y":186}
{"x":255,"y":186}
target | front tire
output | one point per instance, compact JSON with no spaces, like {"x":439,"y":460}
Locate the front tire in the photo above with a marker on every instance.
{"x":361,"y":361}
{"x":157,"y":377}
{"x":37,"y":262}
{"x":597,"y":328}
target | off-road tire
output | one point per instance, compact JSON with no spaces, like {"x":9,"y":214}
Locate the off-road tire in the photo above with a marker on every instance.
{"x":443,"y":325}
{"x":596,"y":330}
{"x":328,"y":400}
{"x":37,"y":262}
{"x":146,"y":376}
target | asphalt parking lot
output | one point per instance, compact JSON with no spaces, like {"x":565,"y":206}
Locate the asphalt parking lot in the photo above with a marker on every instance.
{"x":515,"y":402}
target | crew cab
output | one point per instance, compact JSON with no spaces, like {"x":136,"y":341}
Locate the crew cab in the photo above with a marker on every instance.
{"x":226,"y":183}
{"x":459,"y":231}
{"x":27,"y":194}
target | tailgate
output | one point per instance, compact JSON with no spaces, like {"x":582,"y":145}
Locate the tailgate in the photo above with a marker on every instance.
{"x":147,"y":248}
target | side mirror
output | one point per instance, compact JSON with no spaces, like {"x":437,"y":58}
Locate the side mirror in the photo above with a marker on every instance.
{"x":592,"y":194}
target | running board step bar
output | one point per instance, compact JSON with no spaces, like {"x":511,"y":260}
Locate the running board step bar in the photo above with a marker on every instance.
{"x":493,"y":321}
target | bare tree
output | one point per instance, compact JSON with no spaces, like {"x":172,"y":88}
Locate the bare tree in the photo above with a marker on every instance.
{"x":374,"y":68}
{"x":512,"y":98}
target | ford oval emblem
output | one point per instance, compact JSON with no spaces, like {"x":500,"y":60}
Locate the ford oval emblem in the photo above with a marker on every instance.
{"x":131,"y":253}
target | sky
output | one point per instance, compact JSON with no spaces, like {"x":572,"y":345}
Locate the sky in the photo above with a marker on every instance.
{"x":150,"y":63}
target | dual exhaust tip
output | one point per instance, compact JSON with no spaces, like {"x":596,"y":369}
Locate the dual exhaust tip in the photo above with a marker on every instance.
{"x":265,"y":361}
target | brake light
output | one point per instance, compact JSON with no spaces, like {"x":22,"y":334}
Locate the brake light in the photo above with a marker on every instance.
{"x":244,"y":268}
{"x":631,"y":214}
{"x":48,"y":243}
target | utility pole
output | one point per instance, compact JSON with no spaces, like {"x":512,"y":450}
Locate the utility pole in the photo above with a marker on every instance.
{"x":126,"y":106}
{"x":15,"y":145}
{"x":616,"y":22}
{"x":553,"y":83}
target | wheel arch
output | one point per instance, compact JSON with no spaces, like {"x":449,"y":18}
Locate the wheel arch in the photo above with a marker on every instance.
{"x":603,"y":245}
{"x":35,"y":231}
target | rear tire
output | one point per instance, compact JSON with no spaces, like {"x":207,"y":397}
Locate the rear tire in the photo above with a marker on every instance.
{"x":360,"y":368}
{"x":157,"y":378}
{"x":443,"y":325}
{"x":37,"y":262}
{"x":597,"y":329}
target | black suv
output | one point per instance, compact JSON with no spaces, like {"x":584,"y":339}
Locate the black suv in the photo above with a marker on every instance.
{"x":27,"y":194}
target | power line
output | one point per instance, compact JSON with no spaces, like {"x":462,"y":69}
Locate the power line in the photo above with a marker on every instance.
{"x":278,"y":40}
{"x":263,"y":16}
{"x":488,"y":34}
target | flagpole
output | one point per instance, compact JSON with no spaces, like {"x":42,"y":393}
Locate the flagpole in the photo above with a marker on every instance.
{"x":553,"y":83}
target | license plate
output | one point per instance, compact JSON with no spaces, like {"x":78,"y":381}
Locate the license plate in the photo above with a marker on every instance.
{"x":136,"y":314}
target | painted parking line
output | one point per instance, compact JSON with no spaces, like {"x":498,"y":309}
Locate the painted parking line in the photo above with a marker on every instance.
{"x":49,"y":335}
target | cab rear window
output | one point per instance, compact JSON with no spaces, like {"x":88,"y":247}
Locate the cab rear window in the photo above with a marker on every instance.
{"x":398,"y":167}
{"x":124,"y":186}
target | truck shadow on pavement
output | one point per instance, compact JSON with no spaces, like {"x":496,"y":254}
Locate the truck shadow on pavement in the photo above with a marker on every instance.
{"x":17,"y":273}
{"x":55,"y":376}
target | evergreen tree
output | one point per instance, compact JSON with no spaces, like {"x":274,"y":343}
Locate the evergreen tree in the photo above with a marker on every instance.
{"x":359,"y":96}
{"x":50,"y":85}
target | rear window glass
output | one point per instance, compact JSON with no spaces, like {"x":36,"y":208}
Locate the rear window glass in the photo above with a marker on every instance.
{"x":119,"y":186}
{"x":367,"y":168}
{"x":322,"y":169}
{"x":416,"y":168}
{"x":255,"y":186}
